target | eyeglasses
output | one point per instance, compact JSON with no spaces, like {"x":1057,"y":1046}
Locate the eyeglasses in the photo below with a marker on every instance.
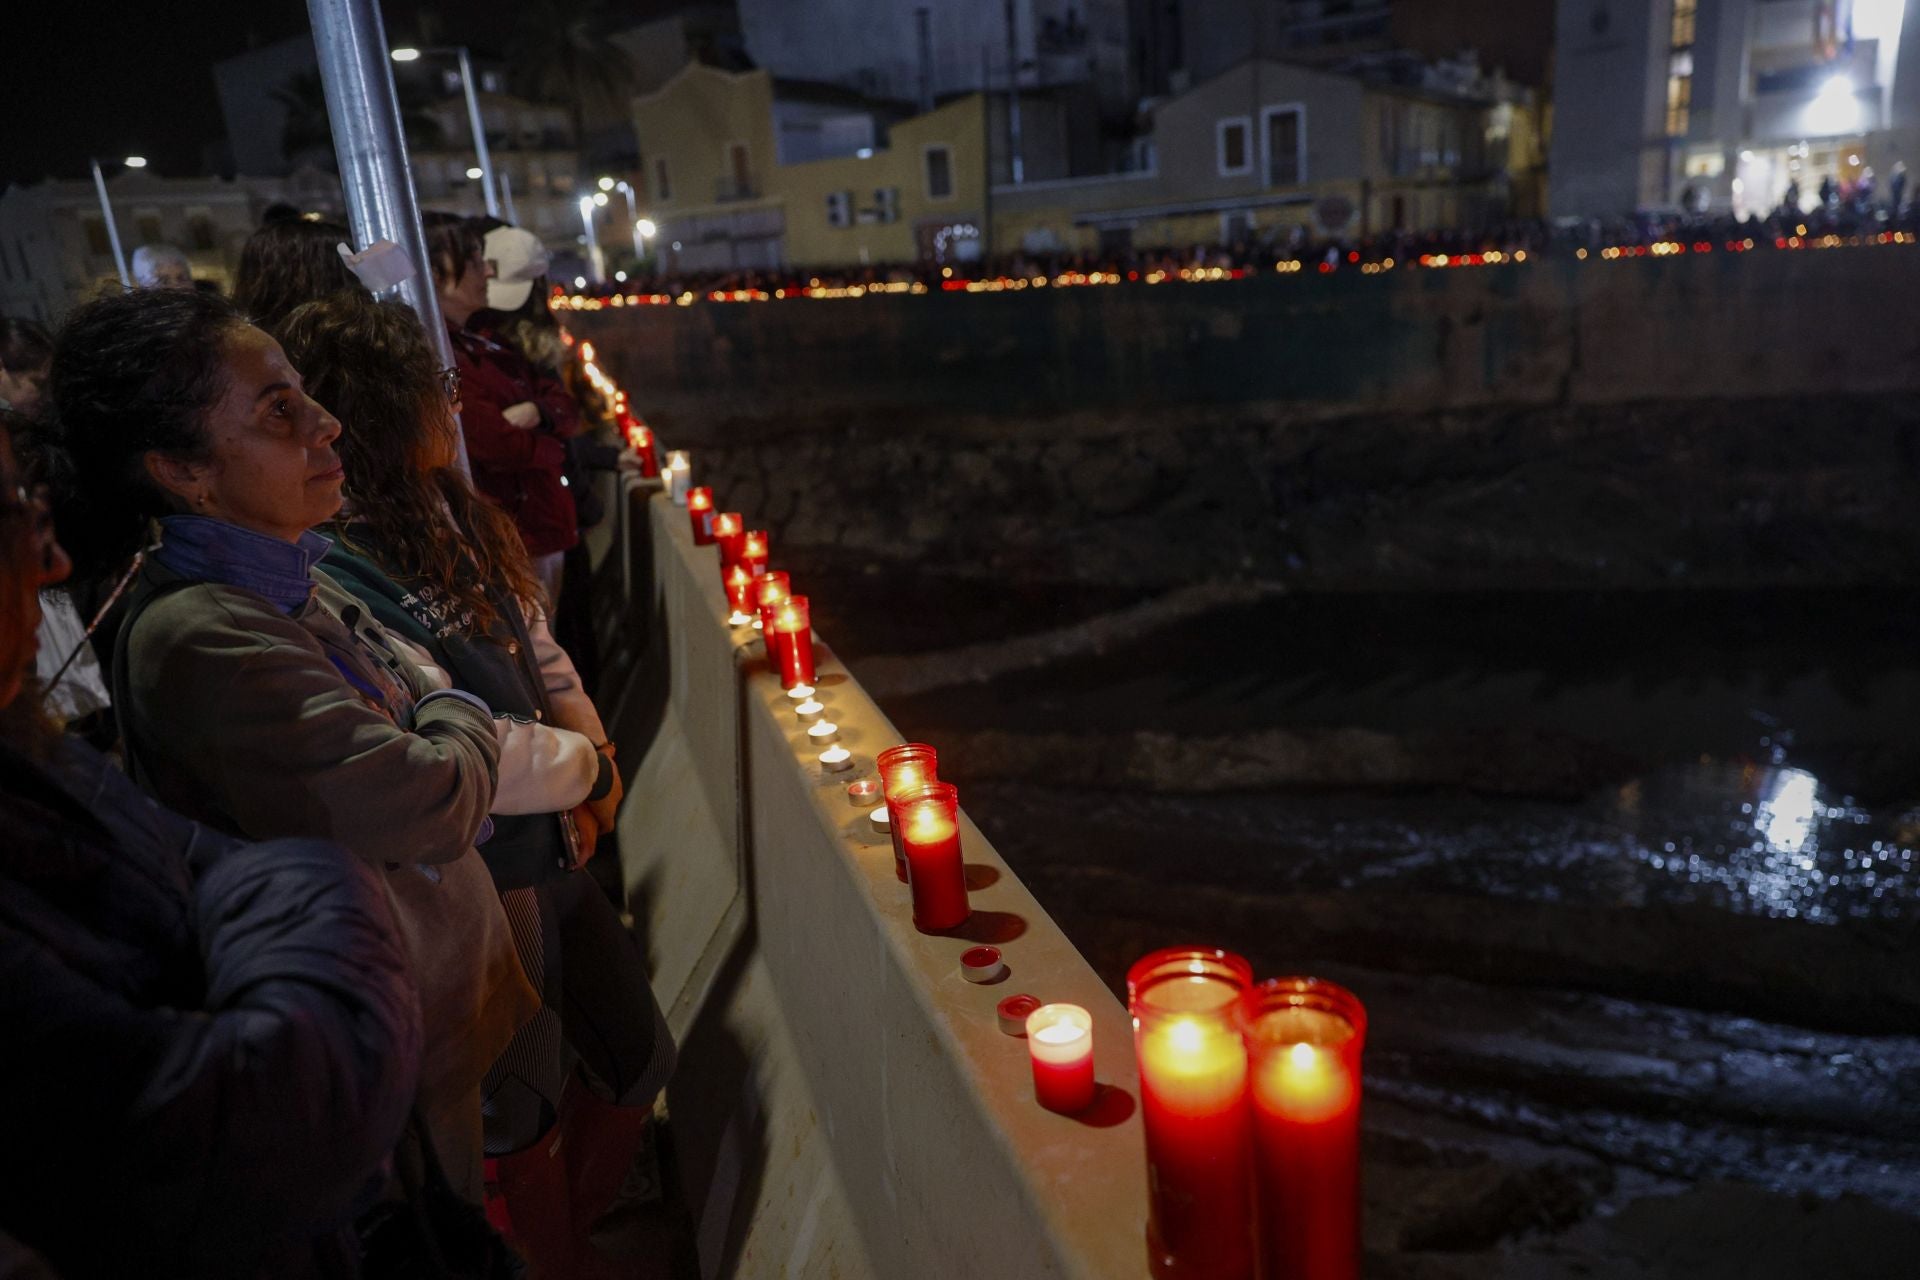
{"x":450,"y":383}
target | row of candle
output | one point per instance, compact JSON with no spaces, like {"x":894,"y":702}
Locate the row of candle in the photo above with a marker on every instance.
{"x":1250,"y":1094}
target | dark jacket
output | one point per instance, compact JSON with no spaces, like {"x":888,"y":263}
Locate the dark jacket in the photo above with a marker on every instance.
{"x":210,"y":1045}
{"x":520,"y":468}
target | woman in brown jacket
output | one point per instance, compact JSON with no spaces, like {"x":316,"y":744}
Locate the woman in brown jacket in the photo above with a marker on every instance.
{"x":254,"y":695}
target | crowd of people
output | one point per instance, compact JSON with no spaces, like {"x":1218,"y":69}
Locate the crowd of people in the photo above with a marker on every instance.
{"x":306,"y":974}
{"x":1837,"y":210}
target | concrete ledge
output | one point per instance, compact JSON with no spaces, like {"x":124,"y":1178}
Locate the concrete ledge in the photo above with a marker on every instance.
{"x":846,"y":1104}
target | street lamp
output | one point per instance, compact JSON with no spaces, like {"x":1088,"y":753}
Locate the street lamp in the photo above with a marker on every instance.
{"x":407,"y":53}
{"x":633,"y":214}
{"x":106,"y":212}
{"x":596,"y":261}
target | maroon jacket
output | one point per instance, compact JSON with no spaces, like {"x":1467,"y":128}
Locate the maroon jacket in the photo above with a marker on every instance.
{"x":519,"y":468}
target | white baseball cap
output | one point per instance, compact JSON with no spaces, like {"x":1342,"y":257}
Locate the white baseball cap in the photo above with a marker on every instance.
{"x":518,"y":259}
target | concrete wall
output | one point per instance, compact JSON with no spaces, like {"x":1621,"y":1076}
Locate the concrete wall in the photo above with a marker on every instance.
{"x":845,"y":1104}
{"x":1610,"y":82}
{"x":1559,"y":331}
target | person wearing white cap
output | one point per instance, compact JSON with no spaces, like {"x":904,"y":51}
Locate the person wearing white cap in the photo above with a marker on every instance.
{"x":518,"y":259}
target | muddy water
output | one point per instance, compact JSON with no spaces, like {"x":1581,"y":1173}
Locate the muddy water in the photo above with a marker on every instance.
{"x":1683,"y":979}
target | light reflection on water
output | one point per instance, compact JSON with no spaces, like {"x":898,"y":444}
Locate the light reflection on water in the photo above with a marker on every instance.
{"x":1779,"y":846}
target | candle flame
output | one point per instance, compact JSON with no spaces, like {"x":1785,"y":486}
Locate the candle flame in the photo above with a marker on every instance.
{"x":1303,"y":1057}
{"x":1061,"y":1032}
{"x":1186,"y":1035}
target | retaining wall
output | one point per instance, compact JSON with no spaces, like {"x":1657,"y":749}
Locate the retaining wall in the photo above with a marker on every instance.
{"x":845,"y":1103}
{"x":1556,"y":330}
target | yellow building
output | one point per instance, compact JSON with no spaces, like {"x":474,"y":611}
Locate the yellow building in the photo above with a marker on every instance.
{"x":746,"y":173}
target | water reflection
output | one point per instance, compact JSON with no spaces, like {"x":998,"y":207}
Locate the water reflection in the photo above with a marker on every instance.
{"x":1776,"y":843}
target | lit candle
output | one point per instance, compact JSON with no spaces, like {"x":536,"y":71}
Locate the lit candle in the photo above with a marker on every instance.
{"x":753,"y":551}
{"x":1193,"y":1103}
{"x":809,"y":711}
{"x":903,"y":768}
{"x":862,"y":793}
{"x":792,"y":646}
{"x":739,"y":587}
{"x":821,"y":732}
{"x":927,"y":819}
{"x":728,"y":532}
{"x":679,"y":475}
{"x":1060,"y":1043}
{"x":644,"y":445}
{"x":836,"y":759}
{"x":700,"y":513}
{"x":768,"y":592}
{"x":1304,"y":1039}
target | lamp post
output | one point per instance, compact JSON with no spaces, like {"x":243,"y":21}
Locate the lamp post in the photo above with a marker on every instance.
{"x":407,"y":53}
{"x":596,"y":261}
{"x":633,"y":213}
{"x":106,"y":212}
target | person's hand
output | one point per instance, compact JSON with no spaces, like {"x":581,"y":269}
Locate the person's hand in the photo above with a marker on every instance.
{"x":525,"y":415}
{"x":606,"y":810}
{"x":588,"y":828}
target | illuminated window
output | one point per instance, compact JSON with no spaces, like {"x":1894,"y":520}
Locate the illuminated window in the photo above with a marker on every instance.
{"x":1680,"y":68}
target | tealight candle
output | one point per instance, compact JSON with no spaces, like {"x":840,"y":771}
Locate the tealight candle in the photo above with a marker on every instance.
{"x":1060,"y":1044}
{"x":1304,"y":1038}
{"x":792,"y":642}
{"x":982,"y":964}
{"x":700,"y":513}
{"x":903,"y":768}
{"x":836,"y":759}
{"x":1193,"y":1104}
{"x":862,"y":793}
{"x":739,"y":587}
{"x":928,"y":821}
{"x":821,"y":732}
{"x":679,"y":470}
{"x":809,"y":711}
{"x":729,"y":531}
{"x":880,"y":821}
{"x":753,"y":551}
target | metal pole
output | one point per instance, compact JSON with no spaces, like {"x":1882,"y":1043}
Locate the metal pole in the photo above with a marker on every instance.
{"x":633,"y":222}
{"x":1013,"y":99}
{"x":596,"y":262}
{"x":113,"y":232}
{"x":371,"y":148}
{"x":479,"y":133}
{"x":506,"y":199}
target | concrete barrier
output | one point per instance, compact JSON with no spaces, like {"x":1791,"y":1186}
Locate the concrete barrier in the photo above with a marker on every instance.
{"x":845,"y":1103}
{"x":1553,"y":331}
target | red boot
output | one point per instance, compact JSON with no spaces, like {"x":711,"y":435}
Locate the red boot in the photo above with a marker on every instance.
{"x":602,"y":1141}
{"x":528,"y":1202}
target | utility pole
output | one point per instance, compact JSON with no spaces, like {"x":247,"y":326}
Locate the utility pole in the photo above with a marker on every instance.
{"x":113,"y":231}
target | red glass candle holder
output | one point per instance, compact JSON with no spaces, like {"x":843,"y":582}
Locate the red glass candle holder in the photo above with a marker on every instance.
{"x":753,"y":551}
{"x":1060,"y":1045}
{"x":768,"y":592}
{"x":1304,"y":1038}
{"x":739,"y":587}
{"x":729,"y":532}
{"x":1193,"y":1104}
{"x":792,"y":642}
{"x":928,"y":820}
{"x":901,"y":769}
{"x":646,"y":448}
{"x":700,"y":512}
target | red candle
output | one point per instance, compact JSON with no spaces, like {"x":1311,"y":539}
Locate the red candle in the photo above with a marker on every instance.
{"x":1060,"y":1043}
{"x":641,"y":438}
{"x":753,"y":551}
{"x":739,"y":583}
{"x":729,"y":530}
{"x":903,"y":768}
{"x":700,"y":511}
{"x":768,"y":592}
{"x":1304,"y":1039}
{"x":1193,"y":1104}
{"x":928,"y":820}
{"x":793,"y":642}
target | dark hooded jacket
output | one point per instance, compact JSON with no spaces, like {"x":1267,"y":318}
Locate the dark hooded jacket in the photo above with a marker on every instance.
{"x":211,"y":1046}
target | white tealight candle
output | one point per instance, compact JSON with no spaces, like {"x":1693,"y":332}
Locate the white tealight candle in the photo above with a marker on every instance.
{"x":836,"y":759}
{"x":881,"y":821}
{"x":809,"y":711}
{"x":738,"y":619}
{"x":800,"y":692}
{"x":822,"y":732}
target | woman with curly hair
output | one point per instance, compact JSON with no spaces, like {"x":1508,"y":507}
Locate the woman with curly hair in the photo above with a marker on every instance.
{"x":445,"y":568}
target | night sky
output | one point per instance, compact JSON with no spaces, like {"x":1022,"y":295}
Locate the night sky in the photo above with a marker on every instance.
{"x":109,"y":77}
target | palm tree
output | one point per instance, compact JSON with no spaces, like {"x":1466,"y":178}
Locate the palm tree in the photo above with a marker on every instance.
{"x":564,"y":56}
{"x":307,"y":135}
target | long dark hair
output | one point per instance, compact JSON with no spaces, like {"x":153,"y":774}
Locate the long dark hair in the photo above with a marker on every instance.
{"x":453,"y":242}
{"x":285,"y":264}
{"x":133,"y":373}
{"x":370,"y":364}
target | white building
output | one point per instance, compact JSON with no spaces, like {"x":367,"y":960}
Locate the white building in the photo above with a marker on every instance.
{"x":1737,"y":100}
